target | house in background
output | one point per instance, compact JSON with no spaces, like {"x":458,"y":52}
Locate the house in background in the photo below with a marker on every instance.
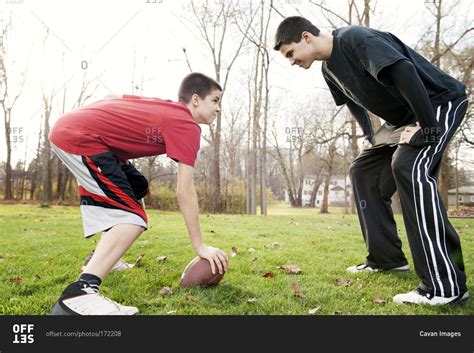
{"x":465,"y":196}
{"x":337,"y":185}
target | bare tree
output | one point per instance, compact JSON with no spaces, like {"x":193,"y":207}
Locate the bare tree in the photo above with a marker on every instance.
{"x":440,"y":11}
{"x":7,"y":101}
{"x":46,"y":153}
{"x":213,"y":24}
{"x":358,"y":13}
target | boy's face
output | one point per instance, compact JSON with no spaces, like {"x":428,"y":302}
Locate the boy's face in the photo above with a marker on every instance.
{"x":205,"y":110}
{"x":300,"y":53}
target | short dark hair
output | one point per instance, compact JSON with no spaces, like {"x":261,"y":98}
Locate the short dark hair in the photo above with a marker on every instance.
{"x":290,"y":30}
{"x":196,"y":83}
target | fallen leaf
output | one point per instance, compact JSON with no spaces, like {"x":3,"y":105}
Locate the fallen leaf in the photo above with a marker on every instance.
{"x":233,"y":251}
{"x":377,"y":299}
{"x":291,"y":269}
{"x":161,"y":258}
{"x":191,"y":298}
{"x":297,"y":290}
{"x":251,"y":300}
{"x":314,"y":310}
{"x":138,"y":260}
{"x":166,"y":291}
{"x":343,"y":282}
{"x":14,"y":279}
{"x":269,"y":275}
{"x":251,"y":250}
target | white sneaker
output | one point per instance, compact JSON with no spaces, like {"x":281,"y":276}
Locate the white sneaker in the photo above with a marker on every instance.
{"x":367,"y":268}
{"x":419,"y":296}
{"x":121,"y":265}
{"x":91,"y":304}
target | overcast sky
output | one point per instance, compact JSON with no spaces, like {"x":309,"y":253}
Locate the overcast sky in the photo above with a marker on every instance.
{"x":116,"y":43}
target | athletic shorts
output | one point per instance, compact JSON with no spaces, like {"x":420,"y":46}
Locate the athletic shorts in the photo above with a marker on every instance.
{"x":109,"y":190}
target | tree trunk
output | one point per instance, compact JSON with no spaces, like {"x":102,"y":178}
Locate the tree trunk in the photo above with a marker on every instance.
{"x":215,"y":167}
{"x":325,"y":204}
{"x":314,"y":193}
{"x":60,"y":177}
{"x":8,"y":167}
{"x":46,"y":180}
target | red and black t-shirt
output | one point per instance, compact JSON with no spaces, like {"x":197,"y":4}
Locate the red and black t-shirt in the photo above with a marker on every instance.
{"x":131,"y":127}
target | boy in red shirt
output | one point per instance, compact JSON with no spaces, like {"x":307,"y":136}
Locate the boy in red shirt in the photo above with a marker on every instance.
{"x":95,"y":142}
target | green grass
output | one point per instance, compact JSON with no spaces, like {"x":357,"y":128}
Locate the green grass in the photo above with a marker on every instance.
{"x":45,"y":248}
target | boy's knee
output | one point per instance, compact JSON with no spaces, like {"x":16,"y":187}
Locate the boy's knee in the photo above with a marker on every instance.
{"x":400,"y":167}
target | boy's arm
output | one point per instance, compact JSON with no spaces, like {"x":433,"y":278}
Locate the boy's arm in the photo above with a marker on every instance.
{"x":404,"y":77}
{"x":188,"y":202}
{"x":360,"y":114}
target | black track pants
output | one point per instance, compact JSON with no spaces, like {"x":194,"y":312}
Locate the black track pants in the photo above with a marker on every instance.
{"x":434,"y":243}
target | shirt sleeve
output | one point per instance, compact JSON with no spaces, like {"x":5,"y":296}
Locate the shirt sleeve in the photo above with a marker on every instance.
{"x":376,"y":53}
{"x":182,"y":142}
{"x":404,"y":77}
{"x":360,"y":114}
{"x":339,"y":97}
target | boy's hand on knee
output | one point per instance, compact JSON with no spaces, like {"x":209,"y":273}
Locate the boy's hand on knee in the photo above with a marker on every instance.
{"x":366,"y":144}
{"x":216,"y":257}
{"x":408,"y":133}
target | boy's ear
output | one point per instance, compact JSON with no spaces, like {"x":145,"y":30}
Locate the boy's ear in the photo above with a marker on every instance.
{"x":195,"y":99}
{"x":305,"y":36}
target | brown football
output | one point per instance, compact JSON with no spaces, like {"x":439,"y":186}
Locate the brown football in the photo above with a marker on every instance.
{"x":198,"y":273}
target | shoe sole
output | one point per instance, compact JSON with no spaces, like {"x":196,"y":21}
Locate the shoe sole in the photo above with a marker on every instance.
{"x":379,"y":270}
{"x":59,"y":309}
{"x":458,"y":301}
{"x":62,"y":310}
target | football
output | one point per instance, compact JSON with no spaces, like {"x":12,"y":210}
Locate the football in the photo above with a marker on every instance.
{"x":198,"y":273}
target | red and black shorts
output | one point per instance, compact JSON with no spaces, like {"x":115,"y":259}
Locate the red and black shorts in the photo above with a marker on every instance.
{"x":109,"y":190}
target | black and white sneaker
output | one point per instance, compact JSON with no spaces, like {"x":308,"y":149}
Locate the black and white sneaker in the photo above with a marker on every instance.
{"x":367,"y":268}
{"x":79,"y":298}
{"x":419,"y":296}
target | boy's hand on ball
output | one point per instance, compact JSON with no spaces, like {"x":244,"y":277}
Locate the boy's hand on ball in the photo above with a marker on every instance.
{"x":215,"y":256}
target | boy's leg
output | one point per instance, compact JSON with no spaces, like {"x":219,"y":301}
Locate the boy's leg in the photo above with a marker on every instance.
{"x":434,"y":243}
{"x":139,"y":185}
{"x":373,"y":186}
{"x":107,"y":201}
{"x":111,"y":247}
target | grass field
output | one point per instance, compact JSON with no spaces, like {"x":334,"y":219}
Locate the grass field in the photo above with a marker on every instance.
{"x":42,"y":250}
